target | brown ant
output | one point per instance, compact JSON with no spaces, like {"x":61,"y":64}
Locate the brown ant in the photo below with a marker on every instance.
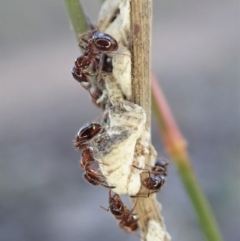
{"x":156,"y":178}
{"x":95,"y":45}
{"x":128,"y":220}
{"x":86,"y":133}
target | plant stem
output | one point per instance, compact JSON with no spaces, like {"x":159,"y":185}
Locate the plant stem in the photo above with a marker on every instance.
{"x":141,"y":27}
{"x":176,"y":147}
{"x":199,"y":202}
{"x":77,"y":17}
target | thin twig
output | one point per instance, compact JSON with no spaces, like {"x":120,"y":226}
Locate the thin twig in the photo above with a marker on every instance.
{"x":148,"y":209}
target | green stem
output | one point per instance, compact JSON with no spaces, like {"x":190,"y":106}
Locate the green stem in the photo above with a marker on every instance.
{"x":176,"y":148}
{"x":77,"y":17}
{"x":199,"y":202}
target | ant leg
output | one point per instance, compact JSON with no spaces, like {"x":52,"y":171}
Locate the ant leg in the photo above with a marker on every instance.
{"x":106,"y":185}
{"x":95,"y":67}
{"x":99,"y":67}
{"x":106,"y":209}
{"x":83,"y":43}
{"x":141,"y":194}
{"x":102,"y":182}
{"x":82,"y":46}
{"x":143,"y":169}
{"x":109,"y":199}
{"x":85,"y":38}
{"x":131,"y":211}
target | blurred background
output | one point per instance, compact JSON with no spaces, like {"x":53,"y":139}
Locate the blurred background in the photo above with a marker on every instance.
{"x":196,"y":60}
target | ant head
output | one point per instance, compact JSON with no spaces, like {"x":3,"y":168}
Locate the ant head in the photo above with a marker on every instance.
{"x":104,"y":42}
{"x":88,"y":131}
{"x":158,"y":182}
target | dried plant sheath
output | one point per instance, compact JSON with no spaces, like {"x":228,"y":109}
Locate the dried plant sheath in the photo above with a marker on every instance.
{"x":141,"y":20}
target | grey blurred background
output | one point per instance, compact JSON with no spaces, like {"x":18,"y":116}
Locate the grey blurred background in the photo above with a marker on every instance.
{"x":196,"y":60}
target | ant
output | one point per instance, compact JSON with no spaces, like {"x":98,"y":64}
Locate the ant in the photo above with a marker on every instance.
{"x":86,"y":133}
{"x":95,"y":45}
{"x":128,"y":220}
{"x":156,"y":177}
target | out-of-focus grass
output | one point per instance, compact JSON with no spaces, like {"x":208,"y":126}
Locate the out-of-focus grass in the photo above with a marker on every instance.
{"x":176,"y":147}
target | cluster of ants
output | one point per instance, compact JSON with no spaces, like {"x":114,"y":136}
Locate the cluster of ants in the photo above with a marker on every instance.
{"x":154,"y":181}
{"x":95,"y":46}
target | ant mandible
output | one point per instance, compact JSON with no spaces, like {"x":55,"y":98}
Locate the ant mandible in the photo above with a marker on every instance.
{"x":128,"y":220}
{"x":156,"y":178}
{"x":96,"y":43}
